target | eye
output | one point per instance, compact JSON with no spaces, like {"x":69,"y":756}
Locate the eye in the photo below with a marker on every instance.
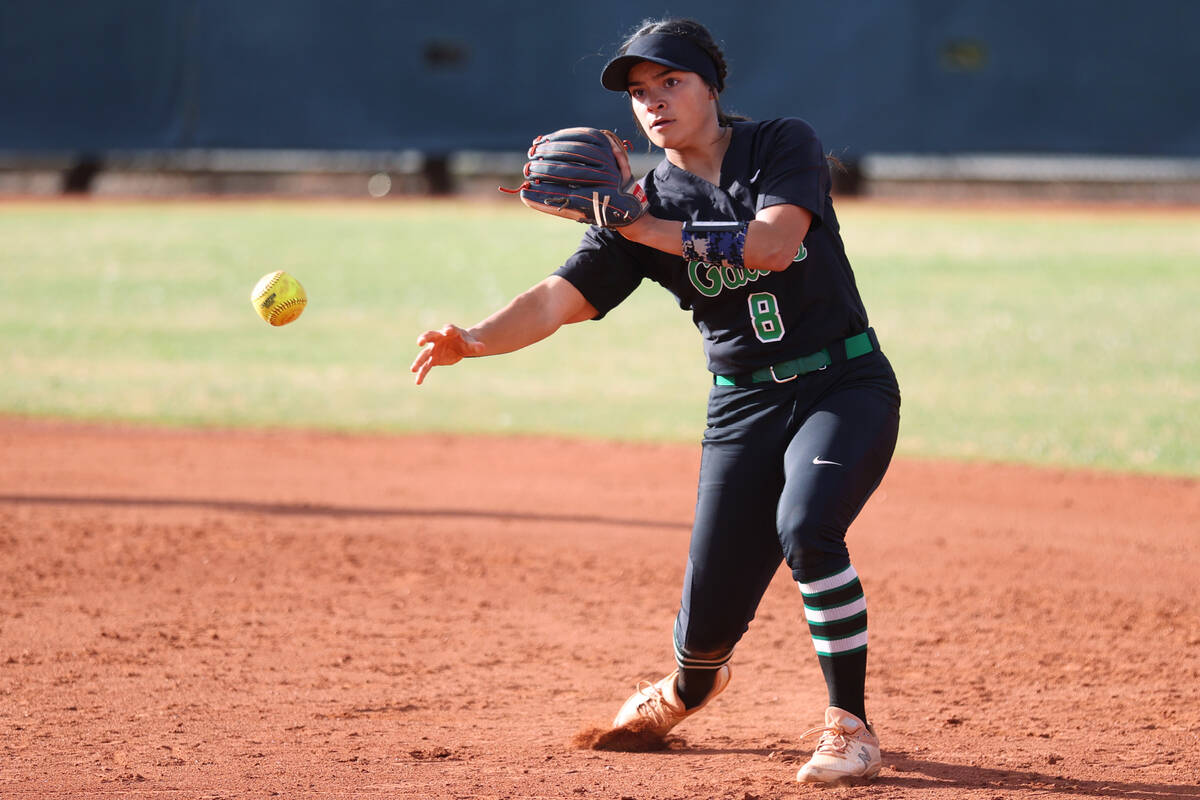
{"x":636,"y":92}
{"x":669,"y":82}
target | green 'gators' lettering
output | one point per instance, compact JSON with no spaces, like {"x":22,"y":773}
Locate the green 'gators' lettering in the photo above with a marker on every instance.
{"x":711,"y":279}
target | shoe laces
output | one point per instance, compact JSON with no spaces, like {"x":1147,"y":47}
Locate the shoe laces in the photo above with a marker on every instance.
{"x":654,"y":706}
{"x":834,"y":739}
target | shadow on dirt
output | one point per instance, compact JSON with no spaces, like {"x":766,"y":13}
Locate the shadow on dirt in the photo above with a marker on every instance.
{"x":326,"y":510}
{"x":902,"y":770}
{"x":915,"y":773}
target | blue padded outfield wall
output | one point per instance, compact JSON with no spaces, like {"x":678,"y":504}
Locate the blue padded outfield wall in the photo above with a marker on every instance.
{"x":1108,"y":77}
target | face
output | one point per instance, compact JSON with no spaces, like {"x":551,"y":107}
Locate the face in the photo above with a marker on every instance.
{"x":676,"y":109}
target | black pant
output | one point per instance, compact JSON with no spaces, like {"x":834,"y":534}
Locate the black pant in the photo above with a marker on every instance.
{"x":785,"y":469}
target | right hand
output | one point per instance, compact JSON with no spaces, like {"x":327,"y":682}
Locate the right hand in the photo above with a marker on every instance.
{"x":442,"y":348}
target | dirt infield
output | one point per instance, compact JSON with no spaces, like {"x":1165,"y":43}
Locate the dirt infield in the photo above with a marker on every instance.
{"x":221,"y":614}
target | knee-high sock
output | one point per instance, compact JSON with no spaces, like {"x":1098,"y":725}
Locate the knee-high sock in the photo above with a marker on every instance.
{"x":836,"y":611}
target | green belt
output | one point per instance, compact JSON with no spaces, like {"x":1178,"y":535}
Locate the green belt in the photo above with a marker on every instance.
{"x":857,"y":345}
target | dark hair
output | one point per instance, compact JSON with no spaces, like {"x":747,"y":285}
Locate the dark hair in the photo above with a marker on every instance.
{"x":696,"y":33}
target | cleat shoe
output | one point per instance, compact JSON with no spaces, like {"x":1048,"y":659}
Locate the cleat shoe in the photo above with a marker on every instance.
{"x":655,"y":708}
{"x":846,"y":751}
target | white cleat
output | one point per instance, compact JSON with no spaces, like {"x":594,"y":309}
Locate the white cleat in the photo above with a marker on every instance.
{"x":847,"y":751}
{"x":656,"y":708}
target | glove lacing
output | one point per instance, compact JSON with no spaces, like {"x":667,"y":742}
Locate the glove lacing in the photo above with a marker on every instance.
{"x":601,"y":211}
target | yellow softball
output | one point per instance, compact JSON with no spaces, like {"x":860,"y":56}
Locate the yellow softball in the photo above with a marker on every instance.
{"x":278,"y":298}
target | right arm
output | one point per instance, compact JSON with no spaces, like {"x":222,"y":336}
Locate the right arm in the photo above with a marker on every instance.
{"x":530,"y":317}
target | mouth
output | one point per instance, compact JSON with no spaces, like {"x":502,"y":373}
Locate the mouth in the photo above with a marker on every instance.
{"x":659,"y":124}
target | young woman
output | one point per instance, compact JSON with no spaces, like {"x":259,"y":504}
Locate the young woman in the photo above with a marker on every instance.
{"x":804,"y":411}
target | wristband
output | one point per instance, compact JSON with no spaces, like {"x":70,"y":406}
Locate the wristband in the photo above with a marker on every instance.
{"x":720,"y":243}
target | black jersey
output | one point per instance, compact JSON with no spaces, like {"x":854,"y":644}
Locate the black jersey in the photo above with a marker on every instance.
{"x":749,"y":318}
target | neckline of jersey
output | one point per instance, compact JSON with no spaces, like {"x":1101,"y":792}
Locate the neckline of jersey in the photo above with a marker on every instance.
{"x":726,"y":180}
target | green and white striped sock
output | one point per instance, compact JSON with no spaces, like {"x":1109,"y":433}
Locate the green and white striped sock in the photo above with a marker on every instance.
{"x":836,"y":611}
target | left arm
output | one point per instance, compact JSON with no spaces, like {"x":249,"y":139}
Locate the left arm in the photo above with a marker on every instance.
{"x":772,"y":238}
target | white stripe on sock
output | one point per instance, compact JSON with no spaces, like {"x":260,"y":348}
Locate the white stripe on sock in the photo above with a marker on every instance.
{"x":691,"y":662}
{"x":834,"y":614}
{"x":848,"y":575}
{"x":840,"y":645}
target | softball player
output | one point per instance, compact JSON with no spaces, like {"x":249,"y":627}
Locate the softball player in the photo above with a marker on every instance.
{"x":804,"y":410}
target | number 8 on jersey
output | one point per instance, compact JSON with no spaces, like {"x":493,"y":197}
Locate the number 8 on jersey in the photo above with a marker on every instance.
{"x":764,"y":313}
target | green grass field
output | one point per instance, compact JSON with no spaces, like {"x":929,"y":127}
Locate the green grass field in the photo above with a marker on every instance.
{"x":1050,"y":337}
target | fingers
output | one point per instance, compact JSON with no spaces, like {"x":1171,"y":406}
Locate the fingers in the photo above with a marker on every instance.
{"x":422,"y":372}
{"x":621,"y":156}
{"x":461,"y":342}
{"x":618,"y":149}
{"x":431,"y":337}
{"x":428,"y":342}
{"x":421,"y":364}
{"x":443,"y":348}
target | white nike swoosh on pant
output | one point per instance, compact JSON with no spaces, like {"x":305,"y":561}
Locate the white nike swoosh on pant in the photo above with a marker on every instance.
{"x":818,"y":460}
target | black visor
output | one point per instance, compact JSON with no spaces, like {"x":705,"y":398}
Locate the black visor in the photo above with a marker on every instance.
{"x":670,"y":51}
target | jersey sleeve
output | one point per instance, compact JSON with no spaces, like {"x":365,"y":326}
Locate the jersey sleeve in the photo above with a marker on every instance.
{"x":604,"y":269}
{"x":794,"y":170}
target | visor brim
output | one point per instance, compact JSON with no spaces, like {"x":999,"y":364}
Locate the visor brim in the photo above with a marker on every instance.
{"x":615,"y":77}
